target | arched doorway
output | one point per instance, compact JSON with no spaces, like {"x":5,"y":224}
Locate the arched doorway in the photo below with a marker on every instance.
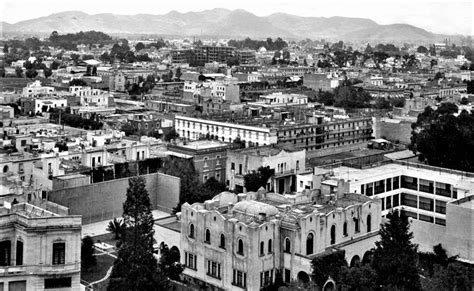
{"x":355,"y":261}
{"x":303,"y":277}
{"x":175,"y":255}
{"x":367,"y":258}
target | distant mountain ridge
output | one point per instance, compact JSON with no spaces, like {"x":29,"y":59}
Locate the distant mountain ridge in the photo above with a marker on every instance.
{"x":224,"y":23}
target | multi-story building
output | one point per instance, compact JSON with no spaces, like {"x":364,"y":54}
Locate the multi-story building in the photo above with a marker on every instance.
{"x":240,"y":242}
{"x":209,"y":157}
{"x":41,"y":104}
{"x":202,"y":91}
{"x":317,"y":81}
{"x":429,"y":195}
{"x":285,"y":161}
{"x":315,"y":133}
{"x":39,"y":249}
{"x":203,"y":54}
{"x":246,"y":56}
{"x":35,"y":89}
{"x":195,"y":128}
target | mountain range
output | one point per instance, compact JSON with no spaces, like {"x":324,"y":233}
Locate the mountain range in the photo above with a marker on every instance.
{"x":224,"y":23}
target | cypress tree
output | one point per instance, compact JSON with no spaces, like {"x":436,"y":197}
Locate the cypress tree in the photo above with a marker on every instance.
{"x":395,"y":256}
{"x":135,"y":267}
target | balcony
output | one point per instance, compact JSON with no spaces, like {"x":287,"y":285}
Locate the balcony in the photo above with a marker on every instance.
{"x":285,"y":173}
{"x":40,"y":269}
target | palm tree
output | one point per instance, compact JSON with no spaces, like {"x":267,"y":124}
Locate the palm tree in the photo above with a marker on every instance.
{"x":117,"y":227}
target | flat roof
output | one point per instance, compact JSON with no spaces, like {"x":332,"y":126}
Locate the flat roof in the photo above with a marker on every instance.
{"x":354,"y":174}
{"x":203,"y":144}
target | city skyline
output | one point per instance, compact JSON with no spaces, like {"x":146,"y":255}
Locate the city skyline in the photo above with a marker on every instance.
{"x":436,"y":17}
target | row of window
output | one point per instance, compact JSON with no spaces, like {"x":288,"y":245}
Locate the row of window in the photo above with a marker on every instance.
{"x":230,"y":129}
{"x":423,"y":203}
{"x":408,"y":182}
{"x":239,"y":278}
{"x":59,"y":253}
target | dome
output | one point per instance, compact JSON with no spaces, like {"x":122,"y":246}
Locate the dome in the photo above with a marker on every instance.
{"x":255,"y":208}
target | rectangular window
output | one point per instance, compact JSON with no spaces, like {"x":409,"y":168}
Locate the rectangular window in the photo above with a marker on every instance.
{"x":59,"y":253}
{"x":426,"y":218}
{"x":426,"y":186}
{"x":409,"y":200}
{"x":240,"y":169}
{"x":5,"y":253}
{"x":19,"y":253}
{"x":379,"y":187}
{"x":396,"y":183}
{"x":232,"y":166}
{"x":388,"y":202}
{"x":426,"y":204}
{"x":213,"y":269}
{"x":440,"y":207}
{"x":57,"y":283}
{"x":440,"y":221}
{"x":410,"y":183}
{"x":362,"y":188}
{"x":369,"y":190}
{"x":396,"y":200}
{"x":443,"y":189}
{"x":239,"y":278}
{"x":410,"y":214}
{"x":389,"y":184}
{"x":190,"y":261}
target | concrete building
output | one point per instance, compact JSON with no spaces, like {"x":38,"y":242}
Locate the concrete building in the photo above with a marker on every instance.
{"x":199,"y":92}
{"x":40,"y":249}
{"x":318,"y":81}
{"x":431,"y":196}
{"x":285,"y":161}
{"x":209,"y":157}
{"x":195,"y":128}
{"x":314,"y":132}
{"x":41,"y":104}
{"x":35,"y":89}
{"x":236,"y":242}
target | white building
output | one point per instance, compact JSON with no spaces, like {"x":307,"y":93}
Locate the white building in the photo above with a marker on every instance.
{"x":425,"y":194}
{"x":195,"y":128}
{"x":35,"y":89}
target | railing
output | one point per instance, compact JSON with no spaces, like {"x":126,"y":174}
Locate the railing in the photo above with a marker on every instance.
{"x":38,"y":269}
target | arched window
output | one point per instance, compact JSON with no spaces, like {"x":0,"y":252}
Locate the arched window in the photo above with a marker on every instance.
{"x":262,"y":248}
{"x":356,"y":225}
{"x":191,"y":230}
{"x":333,"y":234}
{"x":344,"y":229}
{"x":208,"y":236}
{"x":19,"y":253}
{"x":369,"y":223}
{"x":309,"y":244}
{"x":270,"y":247}
{"x":222,"y":244}
{"x":240,"y":247}
{"x":287,"y":245}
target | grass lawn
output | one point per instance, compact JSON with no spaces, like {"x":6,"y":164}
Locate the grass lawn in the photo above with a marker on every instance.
{"x":104,"y":262}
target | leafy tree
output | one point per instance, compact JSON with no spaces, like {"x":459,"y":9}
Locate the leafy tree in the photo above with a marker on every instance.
{"x":135,"y":267}
{"x":87,"y":253}
{"x":31,"y":73}
{"x":444,"y":140}
{"x":184,"y":169}
{"x":169,"y":262}
{"x":454,"y":277}
{"x":19,"y":72}
{"x":5,"y":48}
{"x":256,"y":179}
{"x":178,"y":73}
{"x":47,"y":72}
{"x":117,"y":227}
{"x":464,"y":101}
{"x":422,"y":50}
{"x":170,"y":135}
{"x":358,"y":278}
{"x":395,"y":256}
{"x":77,"y":82}
{"x":329,"y":265}
{"x":139,"y":46}
{"x":239,"y":142}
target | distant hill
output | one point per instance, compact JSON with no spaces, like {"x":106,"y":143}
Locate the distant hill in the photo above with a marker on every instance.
{"x":224,"y":23}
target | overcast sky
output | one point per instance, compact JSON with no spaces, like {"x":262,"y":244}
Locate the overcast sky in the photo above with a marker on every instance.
{"x":439,"y":16}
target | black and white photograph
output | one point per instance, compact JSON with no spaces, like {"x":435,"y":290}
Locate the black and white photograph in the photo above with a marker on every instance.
{"x":274,"y":145}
